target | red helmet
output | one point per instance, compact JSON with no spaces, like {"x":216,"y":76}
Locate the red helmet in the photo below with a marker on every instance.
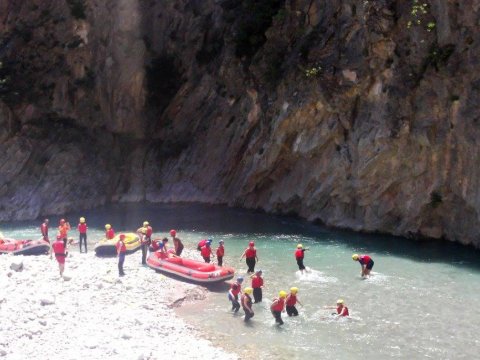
{"x":62,"y":221}
{"x":251,"y":243}
{"x":173,"y":232}
{"x":122,"y":236}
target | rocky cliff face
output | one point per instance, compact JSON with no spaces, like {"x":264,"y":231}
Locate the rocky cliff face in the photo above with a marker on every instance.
{"x":357,"y":114}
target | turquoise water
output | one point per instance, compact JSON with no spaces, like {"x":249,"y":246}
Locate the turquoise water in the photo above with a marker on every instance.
{"x":420,"y":303}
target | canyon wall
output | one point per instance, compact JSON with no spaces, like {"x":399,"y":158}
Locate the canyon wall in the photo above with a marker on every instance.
{"x":356,"y":114}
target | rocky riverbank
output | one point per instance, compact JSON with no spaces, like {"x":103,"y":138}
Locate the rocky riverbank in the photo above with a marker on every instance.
{"x":93,"y":313}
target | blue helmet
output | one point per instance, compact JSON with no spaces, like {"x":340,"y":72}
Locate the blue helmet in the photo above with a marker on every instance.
{"x":160,"y":245}
{"x":209,"y":241}
{"x":240,"y":279}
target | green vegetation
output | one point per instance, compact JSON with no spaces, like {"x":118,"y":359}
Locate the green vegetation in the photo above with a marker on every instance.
{"x":419,"y":12}
{"x":77,"y":8}
{"x":313,"y":71}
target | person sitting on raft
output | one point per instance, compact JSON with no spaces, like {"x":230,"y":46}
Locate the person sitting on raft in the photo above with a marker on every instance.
{"x":109,"y":232}
{"x":177,"y":243}
{"x":247,"y":303}
{"x":251,"y":258}
{"x":299,"y":255}
{"x":206,"y":252}
{"x":257,"y":284}
{"x":220,"y":253}
{"x":278,"y":306}
{"x":235,"y":289}
{"x":342,"y":310}
{"x":366,"y":263}
{"x":292,"y":301}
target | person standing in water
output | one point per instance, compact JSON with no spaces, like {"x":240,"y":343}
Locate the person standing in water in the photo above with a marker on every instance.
{"x":366,"y":263}
{"x":342,"y":310}
{"x":60,"y":253}
{"x":121,"y":252}
{"x":82,"y":229}
{"x":299,"y":255}
{"x":257,"y":284}
{"x":109,"y":232}
{"x":278,"y":306}
{"x":44,"y":230}
{"x":206,"y":252}
{"x":291,"y":301}
{"x":246,"y":301}
{"x":177,"y":243}
{"x":235,"y":289}
{"x":63,"y":229}
{"x":251,"y":258}
{"x":220,"y":253}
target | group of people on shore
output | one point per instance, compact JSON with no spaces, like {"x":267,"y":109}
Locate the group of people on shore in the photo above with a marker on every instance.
{"x":283,"y":302}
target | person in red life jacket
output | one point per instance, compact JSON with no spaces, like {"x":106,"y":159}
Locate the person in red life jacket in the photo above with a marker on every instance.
{"x":235,"y":289}
{"x":246,"y":301}
{"x":109,"y":232}
{"x":155,"y":245}
{"x":251,"y":258}
{"x":257,"y":284}
{"x":342,"y":310}
{"x":278,"y":306}
{"x":220,"y":253}
{"x":292,"y":301}
{"x":82,"y":229}
{"x":148,"y":232}
{"x":142,"y":233}
{"x":44,"y":230}
{"x":121,"y":252}
{"x":202,"y":243}
{"x":60,"y":253}
{"x":206,"y":252}
{"x":366,"y":263}
{"x":177,"y":243}
{"x":63,"y":229}
{"x":299,"y":255}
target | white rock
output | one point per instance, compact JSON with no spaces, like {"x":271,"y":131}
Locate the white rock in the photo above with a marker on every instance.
{"x":3,"y":352}
{"x":17,"y":266}
{"x":47,"y":301}
{"x":67,"y":277}
{"x":126,"y":336}
{"x":43,"y":322}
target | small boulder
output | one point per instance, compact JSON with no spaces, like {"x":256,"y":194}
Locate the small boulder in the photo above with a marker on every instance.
{"x":17,"y":266}
{"x":47,"y":301}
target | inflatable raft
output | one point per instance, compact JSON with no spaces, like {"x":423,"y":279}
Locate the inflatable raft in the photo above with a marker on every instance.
{"x":192,"y":270}
{"x":24,"y":247}
{"x":107,"y":247}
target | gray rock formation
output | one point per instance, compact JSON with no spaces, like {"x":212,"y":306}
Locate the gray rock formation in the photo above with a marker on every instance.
{"x":356,"y":114}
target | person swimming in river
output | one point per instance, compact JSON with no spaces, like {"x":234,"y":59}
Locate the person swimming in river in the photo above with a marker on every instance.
{"x":235,"y":289}
{"x":342,"y":310}
{"x":251,"y":258}
{"x":366,"y":263}
{"x":291,"y":301}
{"x":299,"y":255}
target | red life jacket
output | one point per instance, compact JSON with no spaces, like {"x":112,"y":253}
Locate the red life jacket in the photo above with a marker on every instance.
{"x":291,"y":300}
{"x":365,"y":259}
{"x":257,"y":282}
{"x":235,"y":288}
{"x":299,"y":253}
{"x":82,"y":228}
{"x":149,"y":231}
{"x":63,"y":230}
{"x":250,"y":253}
{"x":220,"y":251}
{"x":202,"y":243}
{"x":279,"y":305}
{"x":206,"y":251}
{"x":155,"y":245}
{"x":340,"y":309}
{"x":110,"y":234}
{"x":121,"y":247}
{"x":58,"y":248}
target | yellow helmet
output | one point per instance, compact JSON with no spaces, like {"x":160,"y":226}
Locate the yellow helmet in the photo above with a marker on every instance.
{"x":340,"y":301}
{"x":108,"y":226}
{"x":145,"y":223}
{"x":82,"y":219}
{"x":248,"y":291}
{"x":299,"y":246}
{"x":282,"y":294}
{"x":355,"y":257}
{"x":294,"y":290}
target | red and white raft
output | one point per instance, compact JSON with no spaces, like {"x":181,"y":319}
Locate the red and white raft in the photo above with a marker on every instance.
{"x":192,"y":270}
{"x":24,"y":247}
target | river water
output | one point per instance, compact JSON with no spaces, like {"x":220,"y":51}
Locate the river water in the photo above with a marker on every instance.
{"x":421,"y":301}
